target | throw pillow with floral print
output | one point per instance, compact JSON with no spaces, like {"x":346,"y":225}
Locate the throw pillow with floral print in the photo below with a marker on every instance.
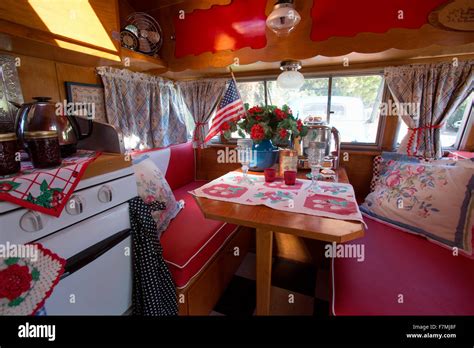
{"x":155,"y":191}
{"x":427,"y":198}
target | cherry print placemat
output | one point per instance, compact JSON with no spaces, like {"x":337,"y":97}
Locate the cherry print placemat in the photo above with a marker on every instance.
{"x":333,"y":200}
{"x":46,"y":190}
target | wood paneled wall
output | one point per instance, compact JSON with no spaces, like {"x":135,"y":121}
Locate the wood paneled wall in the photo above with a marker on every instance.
{"x":69,"y":72}
{"x":207,"y":165}
{"x":43,"y":77}
{"x":37,"y":77}
{"x":86,"y":23}
{"x":359,"y":170}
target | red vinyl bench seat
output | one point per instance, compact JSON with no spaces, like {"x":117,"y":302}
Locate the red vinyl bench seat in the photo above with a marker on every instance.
{"x":431,"y":280}
{"x":190,"y":241}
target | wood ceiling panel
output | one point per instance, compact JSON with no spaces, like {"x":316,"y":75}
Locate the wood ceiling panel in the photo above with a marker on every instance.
{"x":322,"y":64}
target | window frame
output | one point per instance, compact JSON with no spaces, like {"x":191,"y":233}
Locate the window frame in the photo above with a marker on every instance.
{"x":461,"y":137}
{"x":376,"y":146}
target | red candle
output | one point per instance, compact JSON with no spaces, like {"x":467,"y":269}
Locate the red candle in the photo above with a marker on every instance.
{"x":270,"y":174}
{"x":290,"y":177}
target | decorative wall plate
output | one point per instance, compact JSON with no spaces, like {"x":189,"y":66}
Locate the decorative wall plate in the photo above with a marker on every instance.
{"x":457,"y":15}
{"x":10,"y":90}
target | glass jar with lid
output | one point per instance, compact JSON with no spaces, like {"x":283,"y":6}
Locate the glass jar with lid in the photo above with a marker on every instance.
{"x":43,"y":147}
{"x":288,"y":161}
{"x":9,"y":155}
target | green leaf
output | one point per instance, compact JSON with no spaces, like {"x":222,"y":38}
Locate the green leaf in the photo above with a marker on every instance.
{"x":35,"y":274}
{"x":44,"y":200}
{"x":30,"y":198}
{"x":44,"y":186}
{"x":11,"y":260}
{"x":16,"y":302}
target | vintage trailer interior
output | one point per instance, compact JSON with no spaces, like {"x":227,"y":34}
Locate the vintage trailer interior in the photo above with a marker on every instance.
{"x":236,"y":158}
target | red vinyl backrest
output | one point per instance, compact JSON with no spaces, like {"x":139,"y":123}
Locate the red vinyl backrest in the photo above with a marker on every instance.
{"x":180,"y":170}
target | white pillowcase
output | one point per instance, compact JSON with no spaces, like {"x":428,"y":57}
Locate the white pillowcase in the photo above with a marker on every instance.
{"x":153,"y":188}
{"x":434,"y":200}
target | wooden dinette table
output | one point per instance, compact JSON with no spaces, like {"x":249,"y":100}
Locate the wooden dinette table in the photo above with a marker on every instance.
{"x":267,"y":220}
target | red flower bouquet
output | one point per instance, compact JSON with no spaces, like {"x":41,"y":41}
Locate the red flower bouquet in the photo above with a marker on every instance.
{"x":267,"y":123}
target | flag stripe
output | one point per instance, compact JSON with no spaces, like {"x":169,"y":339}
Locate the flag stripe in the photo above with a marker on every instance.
{"x":231,"y":108}
{"x":225,"y":112}
{"x":216,"y":127}
{"x":231,"y":117}
{"x":218,"y":120}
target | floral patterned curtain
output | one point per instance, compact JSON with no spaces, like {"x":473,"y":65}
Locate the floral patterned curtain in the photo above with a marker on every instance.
{"x":436,"y":90}
{"x":201,"y":97}
{"x":149,"y":110}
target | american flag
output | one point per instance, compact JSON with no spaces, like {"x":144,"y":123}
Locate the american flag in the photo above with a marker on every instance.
{"x":231,"y":108}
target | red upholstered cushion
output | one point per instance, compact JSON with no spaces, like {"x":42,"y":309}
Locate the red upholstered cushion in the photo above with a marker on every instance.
{"x":181,"y":166}
{"x":191,"y":240}
{"x":431,"y":280}
{"x":461,"y":154}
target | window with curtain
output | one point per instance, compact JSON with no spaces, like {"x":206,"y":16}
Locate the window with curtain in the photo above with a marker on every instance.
{"x":252,"y":92}
{"x":310,"y":100}
{"x":453,"y":130}
{"x":353,"y":102}
{"x":190,"y":124}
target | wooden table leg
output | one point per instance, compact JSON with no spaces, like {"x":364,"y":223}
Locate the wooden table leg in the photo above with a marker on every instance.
{"x":264,"y":270}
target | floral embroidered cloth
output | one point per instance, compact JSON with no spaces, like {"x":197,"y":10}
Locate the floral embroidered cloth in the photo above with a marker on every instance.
{"x":46,"y":190}
{"x":432,"y":199}
{"x":27,"y":281}
{"x":333,"y":200}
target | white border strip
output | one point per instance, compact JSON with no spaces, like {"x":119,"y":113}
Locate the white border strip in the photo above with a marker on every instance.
{"x":207,"y":262}
{"x":333,"y":302}
{"x":444,"y":246}
{"x":197,"y":252}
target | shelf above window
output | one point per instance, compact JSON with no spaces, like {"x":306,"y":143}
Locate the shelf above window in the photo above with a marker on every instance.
{"x":141,"y":62}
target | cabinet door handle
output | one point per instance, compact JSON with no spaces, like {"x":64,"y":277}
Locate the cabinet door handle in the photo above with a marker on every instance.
{"x":105,"y":194}
{"x":31,"y":222}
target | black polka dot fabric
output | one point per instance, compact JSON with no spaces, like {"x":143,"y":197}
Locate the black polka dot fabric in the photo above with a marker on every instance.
{"x":157,"y":205}
{"x":154,"y":293}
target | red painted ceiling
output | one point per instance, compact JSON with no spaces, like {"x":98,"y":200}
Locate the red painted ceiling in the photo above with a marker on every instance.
{"x":242,"y":23}
{"x":350,"y":17}
{"x":220,"y":28}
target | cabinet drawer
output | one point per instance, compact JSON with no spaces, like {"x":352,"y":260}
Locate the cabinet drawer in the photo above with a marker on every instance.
{"x":74,"y":239}
{"x":101,"y":287}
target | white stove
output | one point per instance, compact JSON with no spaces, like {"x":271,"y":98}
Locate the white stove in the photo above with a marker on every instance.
{"x":93,"y":235}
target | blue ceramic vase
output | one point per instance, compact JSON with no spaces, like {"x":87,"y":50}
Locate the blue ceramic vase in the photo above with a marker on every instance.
{"x":264,"y":155}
